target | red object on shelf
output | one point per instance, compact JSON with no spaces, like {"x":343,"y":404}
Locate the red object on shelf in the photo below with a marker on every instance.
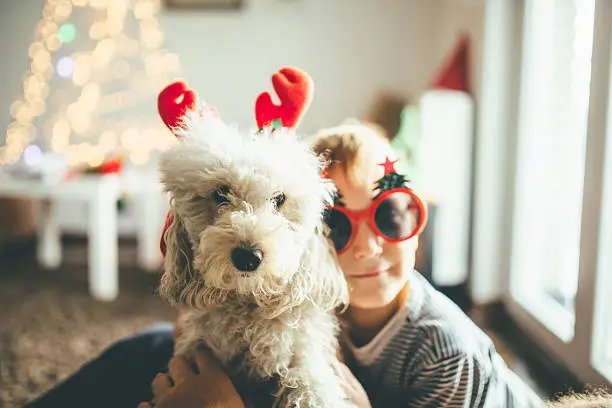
{"x":111,"y":166}
{"x":454,"y":74}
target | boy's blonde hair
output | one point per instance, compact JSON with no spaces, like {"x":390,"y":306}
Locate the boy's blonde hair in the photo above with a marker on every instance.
{"x":342,"y":144}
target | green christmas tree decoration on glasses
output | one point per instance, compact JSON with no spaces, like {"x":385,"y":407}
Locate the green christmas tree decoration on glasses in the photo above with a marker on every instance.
{"x":391,"y":178}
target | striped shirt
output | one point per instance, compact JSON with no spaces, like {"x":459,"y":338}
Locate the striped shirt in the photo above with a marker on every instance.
{"x":432,"y":355}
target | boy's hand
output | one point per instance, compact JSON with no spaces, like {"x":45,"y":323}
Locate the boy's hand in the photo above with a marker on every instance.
{"x":184,"y":388}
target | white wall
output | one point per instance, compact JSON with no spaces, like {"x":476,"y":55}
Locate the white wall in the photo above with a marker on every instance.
{"x":230,"y":57}
{"x":352,"y":48}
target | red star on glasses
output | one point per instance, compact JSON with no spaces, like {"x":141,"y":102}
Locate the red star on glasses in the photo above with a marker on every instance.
{"x":388,"y":165}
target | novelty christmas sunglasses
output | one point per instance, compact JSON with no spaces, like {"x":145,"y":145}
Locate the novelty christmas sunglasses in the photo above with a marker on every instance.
{"x":396,"y":214}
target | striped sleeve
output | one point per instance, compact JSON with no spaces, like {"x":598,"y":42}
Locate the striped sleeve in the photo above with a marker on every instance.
{"x":452,"y":381}
{"x":447,"y":376}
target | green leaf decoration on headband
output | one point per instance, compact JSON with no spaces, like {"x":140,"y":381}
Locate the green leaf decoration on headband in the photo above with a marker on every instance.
{"x":276,"y":124}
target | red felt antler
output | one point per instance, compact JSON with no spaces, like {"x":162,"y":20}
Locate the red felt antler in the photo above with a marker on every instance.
{"x":294,"y":89}
{"x":174,"y":101}
{"x":163,"y":246}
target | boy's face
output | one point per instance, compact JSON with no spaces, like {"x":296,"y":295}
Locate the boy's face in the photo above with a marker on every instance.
{"x":376,"y":270}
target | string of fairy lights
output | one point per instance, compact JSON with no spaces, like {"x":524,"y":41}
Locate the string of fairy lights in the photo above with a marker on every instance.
{"x":81,"y":128}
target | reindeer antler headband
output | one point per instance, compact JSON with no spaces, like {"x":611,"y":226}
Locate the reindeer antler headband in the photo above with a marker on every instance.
{"x":293,"y":87}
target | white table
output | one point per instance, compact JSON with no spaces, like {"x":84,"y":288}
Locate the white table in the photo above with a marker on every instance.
{"x":101,"y":194}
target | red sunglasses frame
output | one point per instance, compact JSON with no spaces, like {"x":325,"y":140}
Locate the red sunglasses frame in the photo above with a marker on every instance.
{"x":355,"y":217}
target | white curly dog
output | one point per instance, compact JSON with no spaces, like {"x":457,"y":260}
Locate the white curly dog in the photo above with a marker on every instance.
{"x":246,"y":259}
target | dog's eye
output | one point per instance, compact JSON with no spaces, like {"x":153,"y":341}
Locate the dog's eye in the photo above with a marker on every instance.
{"x":219,"y":195}
{"x":278,"y":200}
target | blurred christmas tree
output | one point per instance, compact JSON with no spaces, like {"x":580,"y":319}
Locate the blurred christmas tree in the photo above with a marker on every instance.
{"x":96,"y":67}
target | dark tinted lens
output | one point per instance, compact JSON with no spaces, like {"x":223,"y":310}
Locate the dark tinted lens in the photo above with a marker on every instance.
{"x":397,"y":216}
{"x":340,"y":228}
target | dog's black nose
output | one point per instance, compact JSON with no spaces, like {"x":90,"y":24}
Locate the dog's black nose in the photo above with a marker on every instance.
{"x":246,"y":259}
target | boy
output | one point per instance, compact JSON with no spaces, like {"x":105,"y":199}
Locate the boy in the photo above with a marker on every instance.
{"x":407,"y":344}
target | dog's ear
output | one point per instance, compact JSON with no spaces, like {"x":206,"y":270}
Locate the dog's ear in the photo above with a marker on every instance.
{"x":179,"y":282}
{"x":328,"y":287}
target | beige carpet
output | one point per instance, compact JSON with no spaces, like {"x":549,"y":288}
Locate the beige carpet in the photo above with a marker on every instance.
{"x":49,"y":325}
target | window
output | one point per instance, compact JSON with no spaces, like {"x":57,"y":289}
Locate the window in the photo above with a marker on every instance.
{"x":552,"y":134}
{"x":543,"y":189}
{"x":602,"y":335}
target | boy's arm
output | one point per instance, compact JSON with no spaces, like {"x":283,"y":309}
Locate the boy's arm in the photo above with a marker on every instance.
{"x":461,"y":380}
{"x":450,"y":381}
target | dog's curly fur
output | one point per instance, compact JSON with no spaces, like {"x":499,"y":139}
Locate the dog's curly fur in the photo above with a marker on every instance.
{"x":598,"y":399}
{"x":275,"y":323}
